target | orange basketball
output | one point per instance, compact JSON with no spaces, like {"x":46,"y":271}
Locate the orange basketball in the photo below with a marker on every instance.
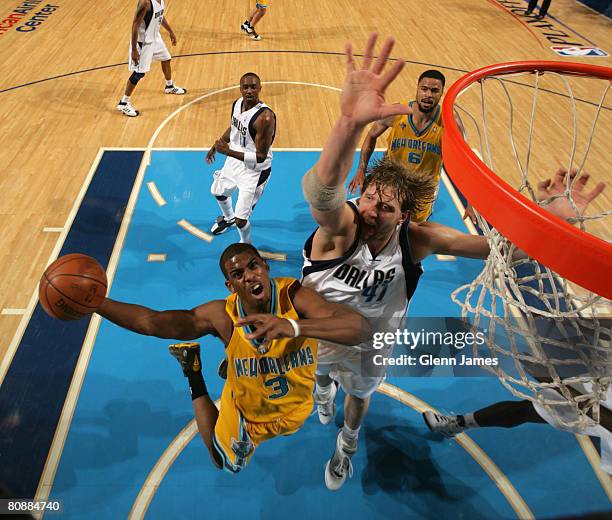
{"x":72,"y":287}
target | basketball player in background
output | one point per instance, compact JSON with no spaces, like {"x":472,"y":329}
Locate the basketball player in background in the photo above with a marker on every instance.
{"x":368,"y":254}
{"x":266,"y":325}
{"x":415,"y":139}
{"x":247,"y":144}
{"x":509,"y":414}
{"x":261,"y":8}
{"x":543,"y":10}
{"x":147,"y":45}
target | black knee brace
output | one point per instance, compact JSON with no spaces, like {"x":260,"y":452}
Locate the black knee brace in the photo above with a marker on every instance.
{"x":136,"y":77}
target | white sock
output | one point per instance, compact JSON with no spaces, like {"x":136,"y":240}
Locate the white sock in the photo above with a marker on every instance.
{"x":324,"y":392}
{"x":169,"y":83}
{"x":350,"y":436}
{"x":226,"y":208}
{"x":245,"y":233}
{"x":470,"y":422}
{"x":125,"y":99}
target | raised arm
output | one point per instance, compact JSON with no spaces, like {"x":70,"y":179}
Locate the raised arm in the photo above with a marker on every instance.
{"x":319,"y":319}
{"x":367,"y":148}
{"x":361,"y":102}
{"x":175,"y":324}
{"x":431,"y":238}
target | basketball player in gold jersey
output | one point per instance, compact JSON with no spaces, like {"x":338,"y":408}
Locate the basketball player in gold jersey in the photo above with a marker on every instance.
{"x":268,"y":326}
{"x":416,"y":137}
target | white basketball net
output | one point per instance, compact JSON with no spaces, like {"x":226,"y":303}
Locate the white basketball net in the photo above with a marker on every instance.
{"x":552,"y":340}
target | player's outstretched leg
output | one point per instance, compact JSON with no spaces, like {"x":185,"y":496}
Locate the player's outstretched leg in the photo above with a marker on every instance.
{"x":206,"y":413}
{"x":505,"y":414}
{"x":447,"y":425}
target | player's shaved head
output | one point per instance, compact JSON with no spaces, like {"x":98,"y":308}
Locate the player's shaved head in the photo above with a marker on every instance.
{"x":250,"y":75}
{"x":233,"y":250}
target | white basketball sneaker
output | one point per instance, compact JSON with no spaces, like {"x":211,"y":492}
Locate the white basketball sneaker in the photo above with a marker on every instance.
{"x":173,"y":89}
{"x":127,"y":109}
{"x":221,"y":225}
{"x":447,"y":425}
{"x":339,"y":466}
{"x":326,"y":409}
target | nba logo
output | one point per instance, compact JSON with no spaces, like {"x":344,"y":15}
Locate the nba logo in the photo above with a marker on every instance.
{"x":579,"y":52}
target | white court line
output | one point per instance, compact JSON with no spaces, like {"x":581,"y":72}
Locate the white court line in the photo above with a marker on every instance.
{"x":595,"y":460}
{"x":53,"y":229}
{"x":281,"y":257}
{"x":12,"y":348}
{"x":57,"y":446}
{"x":178,"y":444}
{"x":147,"y":154}
{"x":157,"y":196}
{"x":195,"y":231}
{"x":157,"y":474}
{"x":12,"y":312}
{"x":156,"y":257}
{"x":477,"y":453}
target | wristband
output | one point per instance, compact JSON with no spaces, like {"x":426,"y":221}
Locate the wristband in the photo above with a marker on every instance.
{"x":296,"y":327}
{"x":250,"y":160}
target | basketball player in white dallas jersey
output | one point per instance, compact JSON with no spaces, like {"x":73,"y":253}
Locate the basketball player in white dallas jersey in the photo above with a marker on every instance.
{"x":147,"y":45}
{"x":247,"y":144}
{"x":367,"y":254}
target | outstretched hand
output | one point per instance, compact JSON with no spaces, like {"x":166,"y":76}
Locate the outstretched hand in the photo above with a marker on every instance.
{"x":561,"y":206}
{"x":363,"y":94}
{"x":267,"y":326}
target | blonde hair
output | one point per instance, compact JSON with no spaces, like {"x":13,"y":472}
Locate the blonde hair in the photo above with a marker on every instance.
{"x":414,"y":190}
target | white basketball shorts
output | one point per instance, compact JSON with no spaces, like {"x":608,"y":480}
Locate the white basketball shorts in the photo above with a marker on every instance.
{"x":236,"y":176}
{"x":149,"y":52}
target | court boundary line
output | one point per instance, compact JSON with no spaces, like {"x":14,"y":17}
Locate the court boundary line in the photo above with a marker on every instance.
{"x":59,"y":243}
{"x":186,"y":435}
{"x":47,"y":479}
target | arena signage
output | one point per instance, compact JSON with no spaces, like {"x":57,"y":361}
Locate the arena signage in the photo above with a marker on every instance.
{"x":27,"y":16}
{"x":564,"y":43}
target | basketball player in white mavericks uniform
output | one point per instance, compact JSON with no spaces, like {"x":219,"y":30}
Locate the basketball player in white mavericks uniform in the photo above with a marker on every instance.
{"x":247,"y":144}
{"x":146,"y":45}
{"x":367,"y":253}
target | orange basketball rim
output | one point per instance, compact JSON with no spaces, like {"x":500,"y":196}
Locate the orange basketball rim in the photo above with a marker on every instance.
{"x":576,"y":255}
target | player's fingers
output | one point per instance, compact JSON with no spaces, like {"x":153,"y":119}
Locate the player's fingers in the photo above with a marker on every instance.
{"x":581,"y":181}
{"x":251,"y":319}
{"x":596,"y":191}
{"x":379,"y":65}
{"x":544,"y":185}
{"x":369,"y":51}
{"x":350,"y":59}
{"x":395,"y":109}
{"x":391,"y":73}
